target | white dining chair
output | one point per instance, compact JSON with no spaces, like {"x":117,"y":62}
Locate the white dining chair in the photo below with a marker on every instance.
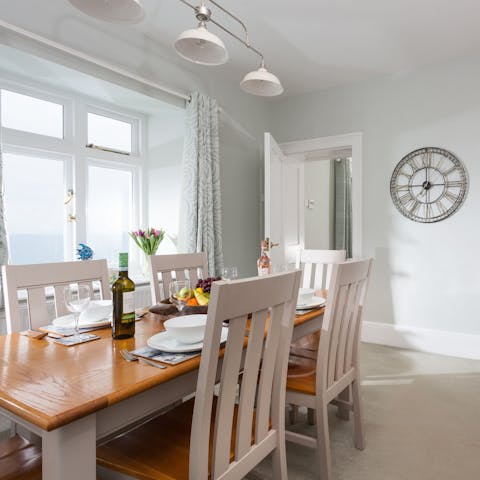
{"x":40,"y":281}
{"x":315,"y":383}
{"x":317,"y":266}
{"x":317,"y":270}
{"x":21,"y":458}
{"x":213,"y":436}
{"x":180,"y":266}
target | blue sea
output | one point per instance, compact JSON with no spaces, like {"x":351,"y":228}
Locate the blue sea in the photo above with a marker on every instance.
{"x":35,"y":248}
{"x":25,"y":249}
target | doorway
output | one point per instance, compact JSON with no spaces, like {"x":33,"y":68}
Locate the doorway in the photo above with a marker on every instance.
{"x":287,"y":212}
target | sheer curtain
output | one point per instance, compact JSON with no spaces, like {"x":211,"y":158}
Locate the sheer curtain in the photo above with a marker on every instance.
{"x":343,"y":204}
{"x":200,"y":216}
{"x":3,"y":231}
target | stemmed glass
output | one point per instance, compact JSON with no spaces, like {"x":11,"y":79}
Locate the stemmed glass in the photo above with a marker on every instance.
{"x":77,"y":299}
{"x":180,"y":293}
{"x":229,"y":273}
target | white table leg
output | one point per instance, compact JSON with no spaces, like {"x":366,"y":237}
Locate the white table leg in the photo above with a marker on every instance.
{"x":69,"y":452}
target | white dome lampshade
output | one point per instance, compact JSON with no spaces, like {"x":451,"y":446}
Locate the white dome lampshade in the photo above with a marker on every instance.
{"x":200,"y":46}
{"x":261,"y":82}
{"x":116,"y":11}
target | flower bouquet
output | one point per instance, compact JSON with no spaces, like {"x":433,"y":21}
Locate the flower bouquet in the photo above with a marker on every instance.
{"x":148,"y":240}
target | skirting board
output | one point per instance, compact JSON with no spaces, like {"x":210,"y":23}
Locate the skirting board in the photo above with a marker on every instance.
{"x":425,"y":340}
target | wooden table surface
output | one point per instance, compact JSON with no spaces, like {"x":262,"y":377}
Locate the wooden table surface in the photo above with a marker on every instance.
{"x":51,"y":385}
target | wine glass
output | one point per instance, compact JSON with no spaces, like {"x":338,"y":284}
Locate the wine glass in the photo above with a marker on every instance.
{"x":77,"y":299}
{"x":180,"y":293}
{"x":229,"y":273}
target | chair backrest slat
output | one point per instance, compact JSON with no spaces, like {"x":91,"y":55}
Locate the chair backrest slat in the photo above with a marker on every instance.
{"x":249,"y":383}
{"x":339,"y":340}
{"x":38,"y":279}
{"x":37,"y":307}
{"x":227,"y":393}
{"x":317,"y":266}
{"x":265,"y":383}
{"x":266,"y":357}
{"x":60,"y":307}
{"x":181,"y":265}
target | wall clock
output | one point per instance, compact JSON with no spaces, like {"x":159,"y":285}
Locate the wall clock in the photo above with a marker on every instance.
{"x":429,"y":185}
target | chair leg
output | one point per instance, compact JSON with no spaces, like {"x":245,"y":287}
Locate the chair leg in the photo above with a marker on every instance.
{"x":279,"y":461}
{"x":323,"y":442}
{"x":293,"y":414}
{"x":343,"y":412}
{"x":359,"y":435}
{"x":311,"y":416}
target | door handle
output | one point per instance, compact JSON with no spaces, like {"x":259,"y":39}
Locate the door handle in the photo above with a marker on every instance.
{"x":270,"y":244}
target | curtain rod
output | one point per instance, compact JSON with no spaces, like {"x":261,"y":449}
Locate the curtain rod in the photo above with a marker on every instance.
{"x":91,"y":59}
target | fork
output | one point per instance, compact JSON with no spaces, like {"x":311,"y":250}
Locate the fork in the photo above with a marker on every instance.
{"x":132,"y":358}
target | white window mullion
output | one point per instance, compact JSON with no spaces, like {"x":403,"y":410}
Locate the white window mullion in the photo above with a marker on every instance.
{"x":69,"y":209}
{"x":81,"y":175}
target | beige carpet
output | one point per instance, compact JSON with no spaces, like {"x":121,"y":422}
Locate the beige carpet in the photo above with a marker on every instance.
{"x":422,"y":420}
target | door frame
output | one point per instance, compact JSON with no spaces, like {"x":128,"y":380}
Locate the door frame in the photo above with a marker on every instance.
{"x":351,"y":141}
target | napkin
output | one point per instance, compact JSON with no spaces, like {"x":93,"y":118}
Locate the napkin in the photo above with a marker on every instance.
{"x":164,"y":309}
{"x":97,"y":310}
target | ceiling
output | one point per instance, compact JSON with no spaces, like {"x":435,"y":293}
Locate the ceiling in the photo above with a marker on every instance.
{"x":316,"y":44}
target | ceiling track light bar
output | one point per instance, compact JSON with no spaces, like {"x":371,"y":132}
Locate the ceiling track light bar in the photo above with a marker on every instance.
{"x":260,"y":82}
{"x":197,"y":45}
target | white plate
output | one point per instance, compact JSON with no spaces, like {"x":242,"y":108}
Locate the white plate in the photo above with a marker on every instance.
{"x":165,"y":342}
{"x":69,"y":322}
{"x":316,"y":302}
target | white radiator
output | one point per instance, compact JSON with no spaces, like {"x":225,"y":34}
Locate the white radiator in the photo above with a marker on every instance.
{"x":143,"y":299}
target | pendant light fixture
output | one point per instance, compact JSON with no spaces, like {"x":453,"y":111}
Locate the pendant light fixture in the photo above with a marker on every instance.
{"x":116,"y":11}
{"x":261,"y":82}
{"x":197,"y":45}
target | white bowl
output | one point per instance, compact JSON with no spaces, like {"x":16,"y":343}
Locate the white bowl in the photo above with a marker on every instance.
{"x":305,"y":296}
{"x":187,"y":329}
{"x":97,"y":310}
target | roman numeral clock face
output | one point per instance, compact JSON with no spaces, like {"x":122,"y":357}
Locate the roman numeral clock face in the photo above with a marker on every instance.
{"x":429,"y":185}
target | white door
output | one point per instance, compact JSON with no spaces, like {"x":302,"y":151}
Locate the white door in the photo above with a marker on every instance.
{"x":283,"y":202}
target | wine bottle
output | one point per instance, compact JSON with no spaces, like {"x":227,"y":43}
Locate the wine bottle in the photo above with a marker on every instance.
{"x":123,"y":325}
{"x":263,"y":263}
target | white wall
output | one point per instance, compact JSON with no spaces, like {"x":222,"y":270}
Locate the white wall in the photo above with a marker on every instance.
{"x":425,"y":276}
{"x":317,"y":219}
{"x":165,"y":149}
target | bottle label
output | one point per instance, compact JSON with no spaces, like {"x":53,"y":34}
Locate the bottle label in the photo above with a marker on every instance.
{"x":128,"y":302}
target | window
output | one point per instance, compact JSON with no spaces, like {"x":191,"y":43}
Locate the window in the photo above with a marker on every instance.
{"x":34,"y":210}
{"x":109,"y":133}
{"x":109,"y":211}
{"x":61,"y":193}
{"x":30,"y":114}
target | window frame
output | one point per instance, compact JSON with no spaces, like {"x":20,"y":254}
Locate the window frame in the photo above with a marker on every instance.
{"x":72,"y":148}
{"x":131,"y":119}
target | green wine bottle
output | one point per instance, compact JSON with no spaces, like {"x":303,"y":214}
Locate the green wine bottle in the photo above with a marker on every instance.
{"x":123,"y":325}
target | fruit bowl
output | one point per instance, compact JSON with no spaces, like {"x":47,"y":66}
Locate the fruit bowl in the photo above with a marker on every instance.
{"x":187,"y":328}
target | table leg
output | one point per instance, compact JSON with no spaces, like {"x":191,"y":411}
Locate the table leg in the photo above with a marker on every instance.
{"x":69,"y":452}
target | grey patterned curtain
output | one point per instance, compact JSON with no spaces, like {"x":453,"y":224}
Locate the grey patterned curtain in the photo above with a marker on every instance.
{"x":342,"y":168}
{"x":200,"y":217}
{"x":3,"y":231}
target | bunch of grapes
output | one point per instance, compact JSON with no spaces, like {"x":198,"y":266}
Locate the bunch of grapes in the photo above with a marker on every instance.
{"x":206,"y":283}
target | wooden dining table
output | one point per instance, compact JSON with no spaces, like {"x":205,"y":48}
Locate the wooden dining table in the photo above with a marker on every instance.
{"x":74,"y":397}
